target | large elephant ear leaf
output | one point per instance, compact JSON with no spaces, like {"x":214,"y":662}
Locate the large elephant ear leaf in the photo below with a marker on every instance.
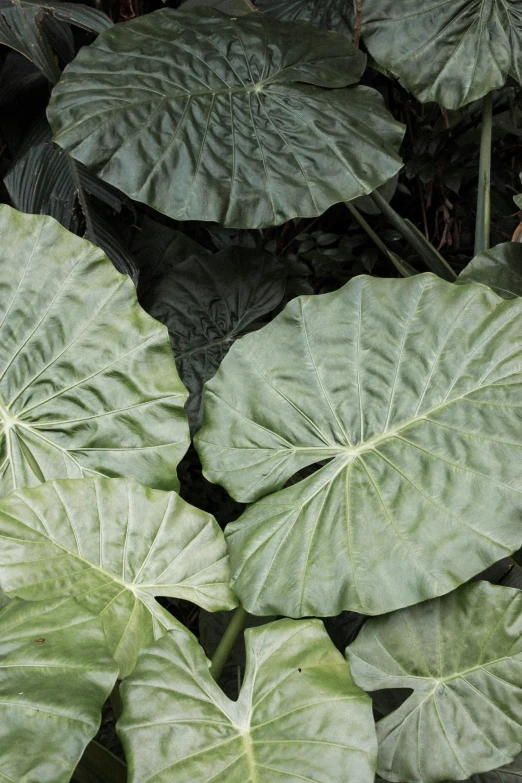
{"x":88,"y":384}
{"x":299,"y":715}
{"x":450,"y":52}
{"x":337,"y":15}
{"x":405,"y":394}
{"x":237,"y":107}
{"x":462,"y":657}
{"x":499,"y":268}
{"x":114,"y":545}
{"x":56,"y":674}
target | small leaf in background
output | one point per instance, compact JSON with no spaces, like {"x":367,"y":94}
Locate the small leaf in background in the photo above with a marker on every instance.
{"x":403,"y":397}
{"x":462,"y":656}
{"x":336,"y":15}
{"x":499,"y":268}
{"x":450,"y":52}
{"x":114,"y":545}
{"x":88,"y":384}
{"x":56,"y":674}
{"x":207,"y":302}
{"x":37,"y":28}
{"x":230,"y":7}
{"x":246,"y":137}
{"x":299,"y":715}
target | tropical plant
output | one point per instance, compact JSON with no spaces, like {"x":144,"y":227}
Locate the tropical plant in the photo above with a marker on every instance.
{"x":175,"y":275}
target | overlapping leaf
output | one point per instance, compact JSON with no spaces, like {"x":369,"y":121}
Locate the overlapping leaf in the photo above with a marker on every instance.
{"x":450,"y":51}
{"x":114,"y":545}
{"x":499,"y":268}
{"x":88,"y":384}
{"x":299,"y":715}
{"x":336,"y":15}
{"x":410,"y":392}
{"x":56,"y":674}
{"x":236,"y":107}
{"x":207,"y":302}
{"x":462,"y":656}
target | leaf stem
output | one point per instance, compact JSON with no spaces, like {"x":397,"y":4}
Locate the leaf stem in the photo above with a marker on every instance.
{"x":401,"y":266}
{"x":358,"y":23}
{"x":227,"y":642}
{"x":482,"y":230}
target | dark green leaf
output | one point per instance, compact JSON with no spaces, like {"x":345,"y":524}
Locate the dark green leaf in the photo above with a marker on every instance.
{"x":56,"y":674}
{"x":230,"y":7}
{"x":410,"y":391}
{"x":253,"y":141}
{"x":337,"y":15}
{"x":207,"y":302}
{"x":461,"y":655}
{"x":499,"y":268}
{"x":298,"y":717}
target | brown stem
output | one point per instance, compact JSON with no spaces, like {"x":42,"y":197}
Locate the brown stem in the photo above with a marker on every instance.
{"x":358,"y":23}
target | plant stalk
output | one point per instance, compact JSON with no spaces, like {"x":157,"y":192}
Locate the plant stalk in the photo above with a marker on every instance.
{"x":401,"y":266}
{"x":358,"y":23}
{"x":227,"y":642}
{"x":483,"y":226}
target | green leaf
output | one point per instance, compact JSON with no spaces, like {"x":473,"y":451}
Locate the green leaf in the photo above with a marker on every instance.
{"x":56,"y":674}
{"x":499,"y":268}
{"x":449,"y":51}
{"x":461,"y":655}
{"x":410,"y":392}
{"x":230,"y":7}
{"x":337,"y":15}
{"x":88,"y":384}
{"x":253,"y":140}
{"x":23,"y":27}
{"x":298,"y":715}
{"x":512,"y":773}
{"x":207,"y":302}
{"x":114,"y":545}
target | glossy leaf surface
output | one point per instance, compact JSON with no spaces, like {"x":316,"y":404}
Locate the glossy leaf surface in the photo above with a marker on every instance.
{"x":207,"y":302}
{"x":336,"y":15}
{"x":114,"y":545}
{"x":56,"y":674}
{"x":406,"y":395}
{"x":450,"y":51}
{"x":462,"y":656}
{"x":499,"y":268}
{"x":299,"y":715}
{"x":237,"y":107}
{"x":88,"y":384}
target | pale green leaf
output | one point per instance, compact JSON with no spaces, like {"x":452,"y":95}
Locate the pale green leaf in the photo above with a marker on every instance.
{"x":236,"y":107}
{"x":114,"y":545}
{"x":450,"y":51}
{"x":410,"y":391}
{"x":462,"y":657}
{"x":299,"y":716}
{"x":88,"y":384}
{"x":499,"y":268}
{"x":56,"y":673}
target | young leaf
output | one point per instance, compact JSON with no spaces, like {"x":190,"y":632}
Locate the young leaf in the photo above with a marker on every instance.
{"x":449,"y":51}
{"x":114,"y":545}
{"x":237,"y":107}
{"x":499,"y":268}
{"x":299,"y":715}
{"x":56,"y":674}
{"x":337,"y":15}
{"x":462,"y":657}
{"x":207,"y":302}
{"x":88,"y":384}
{"x":411,"y":390}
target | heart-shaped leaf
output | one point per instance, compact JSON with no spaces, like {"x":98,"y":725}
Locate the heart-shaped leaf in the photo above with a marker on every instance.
{"x":114,"y":545}
{"x":337,"y":15}
{"x":207,"y":302}
{"x":299,"y":715}
{"x":410,"y":390}
{"x":88,"y":384}
{"x":510,"y":773}
{"x":236,"y":107}
{"x":450,"y":51}
{"x":56,"y":674}
{"x":499,"y":268}
{"x":462,"y":656}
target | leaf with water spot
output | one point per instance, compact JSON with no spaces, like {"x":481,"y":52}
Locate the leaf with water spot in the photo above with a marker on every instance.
{"x":299,"y":716}
{"x":114,"y":544}
{"x":405,"y":395}
{"x":88,"y":384}
{"x":462,"y":656}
